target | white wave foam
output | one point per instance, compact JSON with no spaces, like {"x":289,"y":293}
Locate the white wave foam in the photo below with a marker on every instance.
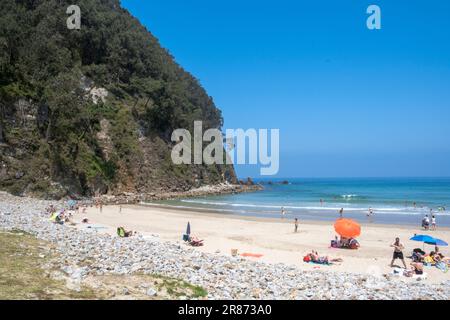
{"x":259,"y":207}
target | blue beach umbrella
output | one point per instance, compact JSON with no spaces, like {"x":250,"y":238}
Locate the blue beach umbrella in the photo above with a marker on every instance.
{"x":437,"y":242}
{"x":423,"y":238}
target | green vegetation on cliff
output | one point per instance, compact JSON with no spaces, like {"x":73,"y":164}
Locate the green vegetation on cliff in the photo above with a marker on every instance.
{"x":92,"y":110}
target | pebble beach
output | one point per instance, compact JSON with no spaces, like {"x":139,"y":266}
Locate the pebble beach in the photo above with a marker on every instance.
{"x":90,"y":252}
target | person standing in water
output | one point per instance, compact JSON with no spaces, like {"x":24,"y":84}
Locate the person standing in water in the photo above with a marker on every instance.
{"x":296,"y":225}
{"x":433,"y":222}
{"x":370,"y":214}
{"x":283,"y":212}
{"x":321,"y":202}
{"x":341,"y":212}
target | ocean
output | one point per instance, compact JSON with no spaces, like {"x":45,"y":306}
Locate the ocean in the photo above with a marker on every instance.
{"x":391,"y":199}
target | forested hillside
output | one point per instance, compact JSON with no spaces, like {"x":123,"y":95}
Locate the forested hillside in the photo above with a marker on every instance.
{"x":92,"y":110}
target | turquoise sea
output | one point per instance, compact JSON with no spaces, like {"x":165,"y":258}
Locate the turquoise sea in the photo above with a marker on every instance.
{"x":392,"y":200}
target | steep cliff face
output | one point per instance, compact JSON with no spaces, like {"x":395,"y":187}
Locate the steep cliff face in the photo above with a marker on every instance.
{"x":92,"y":110}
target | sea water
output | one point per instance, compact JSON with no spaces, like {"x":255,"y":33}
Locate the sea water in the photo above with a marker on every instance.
{"x":393,"y":200}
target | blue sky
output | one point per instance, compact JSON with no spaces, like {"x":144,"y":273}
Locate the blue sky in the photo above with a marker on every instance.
{"x":349,"y":102}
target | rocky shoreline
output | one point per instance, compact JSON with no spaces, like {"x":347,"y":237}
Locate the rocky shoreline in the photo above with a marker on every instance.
{"x":86,"y":252}
{"x":207,"y":190}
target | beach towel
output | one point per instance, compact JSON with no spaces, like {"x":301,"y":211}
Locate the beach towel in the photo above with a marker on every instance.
{"x":442,"y":266}
{"x":399,"y":272}
{"x":253,"y":255}
{"x":325,"y":263}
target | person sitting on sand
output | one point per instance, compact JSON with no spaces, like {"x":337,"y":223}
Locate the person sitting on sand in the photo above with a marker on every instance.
{"x":416,"y":269}
{"x":344,"y":242}
{"x":398,"y":252}
{"x":418,"y":255}
{"x":353,"y":244}
{"x":121,"y":232}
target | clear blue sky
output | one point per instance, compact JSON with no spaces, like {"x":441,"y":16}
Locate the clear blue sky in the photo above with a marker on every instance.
{"x":348,"y":101}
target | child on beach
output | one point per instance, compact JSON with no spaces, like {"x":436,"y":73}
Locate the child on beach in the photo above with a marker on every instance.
{"x":398,"y":252}
{"x":433,"y":222}
{"x":296,"y":225}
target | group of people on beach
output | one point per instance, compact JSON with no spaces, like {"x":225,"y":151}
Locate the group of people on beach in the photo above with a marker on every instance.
{"x":427,"y":224}
{"x":419,"y":259}
{"x":59,"y":216}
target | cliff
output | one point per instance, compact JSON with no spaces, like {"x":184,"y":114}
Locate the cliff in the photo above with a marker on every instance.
{"x":91,"y":111}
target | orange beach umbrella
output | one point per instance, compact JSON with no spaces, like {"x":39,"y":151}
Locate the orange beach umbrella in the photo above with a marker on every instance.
{"x":347,"y":228}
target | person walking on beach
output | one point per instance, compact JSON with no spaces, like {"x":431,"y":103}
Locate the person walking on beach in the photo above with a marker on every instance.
{"x":398,"y":252}
{"x":296,"y":225}
{"x":341,"y":212}
{"x":120,"y":208}
{"x":433,"y":222}
{"x":426,"y":222}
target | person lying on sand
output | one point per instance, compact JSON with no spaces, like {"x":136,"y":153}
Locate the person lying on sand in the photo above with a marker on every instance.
{"x":316,"y":258}
{"x":195,"y":242}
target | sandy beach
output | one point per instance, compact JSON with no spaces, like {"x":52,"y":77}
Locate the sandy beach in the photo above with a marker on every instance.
{"x":273,"y":238}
